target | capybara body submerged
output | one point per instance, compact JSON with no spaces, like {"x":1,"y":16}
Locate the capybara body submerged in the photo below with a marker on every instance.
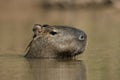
{"x":56,"y":42}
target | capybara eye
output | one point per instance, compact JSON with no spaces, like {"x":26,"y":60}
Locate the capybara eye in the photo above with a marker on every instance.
{"x":81,"y":37}
{"x":45,"y":25}
{"x":53,"y":33}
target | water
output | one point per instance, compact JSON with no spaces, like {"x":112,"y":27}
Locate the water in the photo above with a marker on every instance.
{"x":100,"y":61}
{"x":18,"y":68}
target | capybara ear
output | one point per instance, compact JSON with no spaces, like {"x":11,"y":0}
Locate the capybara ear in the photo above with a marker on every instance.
{"x":37,"y":28}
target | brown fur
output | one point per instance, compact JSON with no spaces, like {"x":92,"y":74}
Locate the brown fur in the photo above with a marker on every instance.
{"x":56,"y":42}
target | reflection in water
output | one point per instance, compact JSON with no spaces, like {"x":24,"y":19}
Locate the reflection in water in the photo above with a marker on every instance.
{"x":45,"y":69}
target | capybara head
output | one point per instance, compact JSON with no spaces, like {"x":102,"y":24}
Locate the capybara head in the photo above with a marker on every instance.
{"x":56,"y":42}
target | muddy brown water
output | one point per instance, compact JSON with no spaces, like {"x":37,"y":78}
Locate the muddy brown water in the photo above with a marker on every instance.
{"x":100,"y":61}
